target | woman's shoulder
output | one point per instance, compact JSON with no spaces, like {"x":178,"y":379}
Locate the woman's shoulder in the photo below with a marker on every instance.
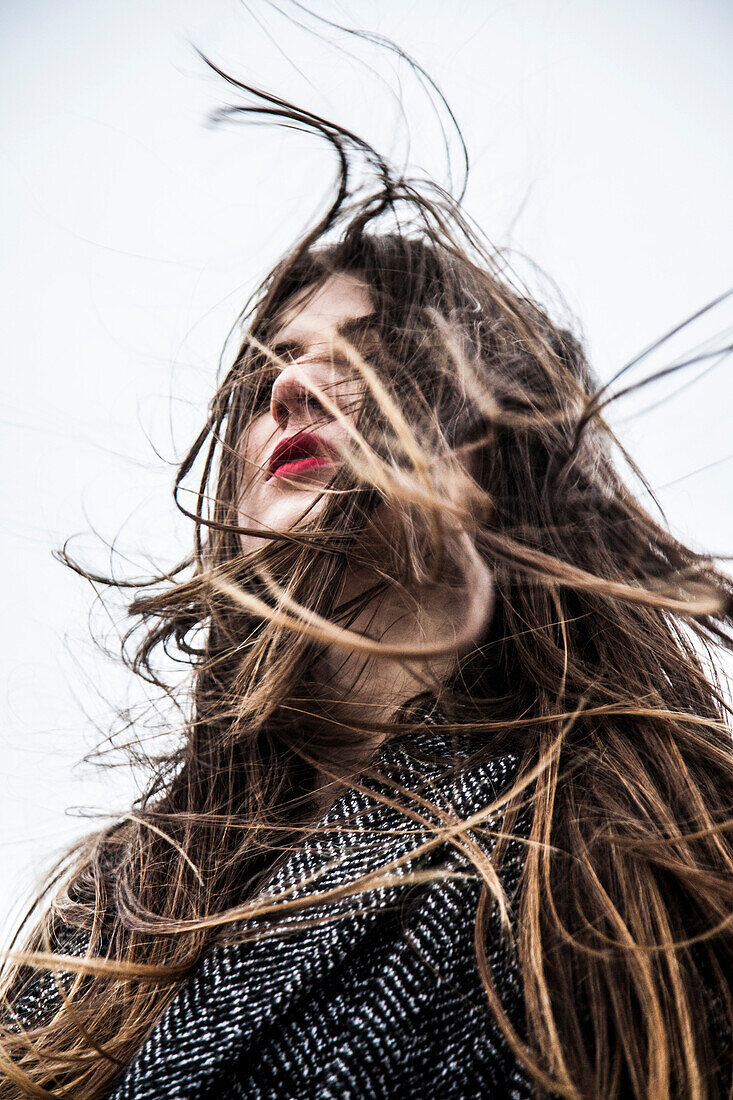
{"x":359,"y":976}
{"x":38,"y":993}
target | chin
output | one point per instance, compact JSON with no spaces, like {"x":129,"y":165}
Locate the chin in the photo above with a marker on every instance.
{"x":281,"y":517}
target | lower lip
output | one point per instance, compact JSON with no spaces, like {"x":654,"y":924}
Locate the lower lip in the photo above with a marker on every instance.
{"x":301,"y":465}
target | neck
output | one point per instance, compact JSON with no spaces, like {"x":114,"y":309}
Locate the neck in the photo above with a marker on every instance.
{"x":366,"y":689}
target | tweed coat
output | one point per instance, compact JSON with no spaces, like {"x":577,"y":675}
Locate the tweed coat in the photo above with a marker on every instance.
{"x":375,"y":996}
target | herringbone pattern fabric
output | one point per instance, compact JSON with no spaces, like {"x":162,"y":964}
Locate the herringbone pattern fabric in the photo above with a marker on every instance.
{"x":381,"y":999}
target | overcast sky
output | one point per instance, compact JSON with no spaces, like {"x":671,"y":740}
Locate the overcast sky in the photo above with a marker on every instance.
{"x":600,"y":138}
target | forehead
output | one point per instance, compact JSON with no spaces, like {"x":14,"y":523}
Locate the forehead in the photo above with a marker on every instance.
{"x":340,"y":298}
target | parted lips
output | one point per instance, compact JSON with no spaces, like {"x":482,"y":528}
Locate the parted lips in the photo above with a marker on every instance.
{"x":299,"y":449}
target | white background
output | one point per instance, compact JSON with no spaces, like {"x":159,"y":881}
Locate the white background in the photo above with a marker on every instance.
{"x":133,"y":232}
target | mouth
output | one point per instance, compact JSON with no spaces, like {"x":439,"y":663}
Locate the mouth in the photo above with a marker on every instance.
{"x":299,"y":454}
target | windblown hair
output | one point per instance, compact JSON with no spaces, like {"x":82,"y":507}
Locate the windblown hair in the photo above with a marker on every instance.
{"x":481,"y":430}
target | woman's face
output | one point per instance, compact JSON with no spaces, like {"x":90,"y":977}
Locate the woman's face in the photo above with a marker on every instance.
{"x":289,"y":451}
{"x":289,"y":454}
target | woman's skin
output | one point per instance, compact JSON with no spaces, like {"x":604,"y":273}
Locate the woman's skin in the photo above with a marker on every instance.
{"x":277,"y":502}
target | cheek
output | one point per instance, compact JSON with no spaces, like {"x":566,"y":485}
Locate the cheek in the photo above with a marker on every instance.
{"x":252,"y":450}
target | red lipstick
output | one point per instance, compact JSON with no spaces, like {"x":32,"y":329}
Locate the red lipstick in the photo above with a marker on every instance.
{"x":299,"y":453}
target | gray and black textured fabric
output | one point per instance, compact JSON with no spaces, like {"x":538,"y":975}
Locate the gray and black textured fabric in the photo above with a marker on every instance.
{"x":382,"y":1000}
{"x":375,"y":996}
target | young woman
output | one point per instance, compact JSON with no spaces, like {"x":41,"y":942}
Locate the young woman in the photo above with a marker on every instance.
{"x":451,"y":812}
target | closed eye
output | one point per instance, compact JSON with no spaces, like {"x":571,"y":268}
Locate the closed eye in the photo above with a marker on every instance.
{"x":288,"y":350}
{"x":258,"y":383}
{"x":265,"y":370}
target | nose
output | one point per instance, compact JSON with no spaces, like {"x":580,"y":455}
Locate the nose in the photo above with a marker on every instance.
{"x":292,"y":402}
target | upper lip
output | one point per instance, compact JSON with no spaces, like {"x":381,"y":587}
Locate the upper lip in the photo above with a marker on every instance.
{"x":301,"y":445}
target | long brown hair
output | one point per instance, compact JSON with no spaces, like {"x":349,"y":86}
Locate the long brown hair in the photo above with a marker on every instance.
{"x":597,"y":667}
